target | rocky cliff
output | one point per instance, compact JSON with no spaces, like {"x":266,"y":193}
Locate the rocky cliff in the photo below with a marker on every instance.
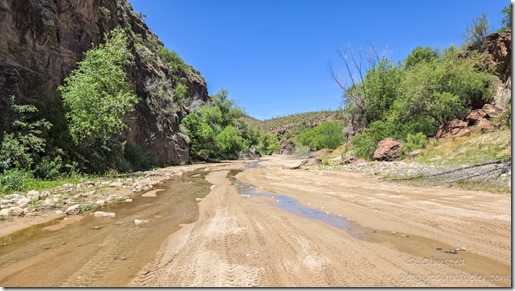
{"x":497,"y":52}
{"x":41,"y":42}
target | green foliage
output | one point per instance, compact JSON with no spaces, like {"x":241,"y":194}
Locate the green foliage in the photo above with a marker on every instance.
{"x":267,"y":143}
{"x":414,"y":141}
{"x":476,"y":33}
{"x":86,"y":208}
{"x":216,"y":131}
{"x":173,"y":60}
{"x":506,"y":18}
{"x":229,"y":141}
{"x":365,"y":143}
{"x":180,"y":92}
{"x":97,"y":93}
{"x":380,"y":85}
{"x":14,"y":180}
{"x":22,"y":140}
{"x":49,"y":168}
{"x":440,"y":90}
{"x":327,"y":135}
{"x":138,"y":158}
{"x":419,"y":55}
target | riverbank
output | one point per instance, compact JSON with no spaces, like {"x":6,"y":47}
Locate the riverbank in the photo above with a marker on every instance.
{"x":21,"y":210}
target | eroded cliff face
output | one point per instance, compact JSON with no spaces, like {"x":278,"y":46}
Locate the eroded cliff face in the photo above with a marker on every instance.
{"x":497,"y":51}
{"x":41,"y":42}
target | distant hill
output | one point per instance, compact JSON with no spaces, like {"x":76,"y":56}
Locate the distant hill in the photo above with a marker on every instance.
{"x":287,"y":128}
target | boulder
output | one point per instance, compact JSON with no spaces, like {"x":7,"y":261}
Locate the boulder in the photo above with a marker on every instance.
{"x":16,"y":211}
{"x":492,"y":110}
{"x":388,"y":150}
{"x":453,"y":128}
{"x":475,"y":116}
{"x":23,"y":201}
{"x":73,"y":210}
{"x":314,"y":161}
{"x":485,"y":125}
{"x":33,"y":195}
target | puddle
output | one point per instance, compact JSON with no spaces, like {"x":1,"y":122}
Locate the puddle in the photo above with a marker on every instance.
{"x":410,"y":244}
{"x":291,"y":205}
{"x":254,"y":165}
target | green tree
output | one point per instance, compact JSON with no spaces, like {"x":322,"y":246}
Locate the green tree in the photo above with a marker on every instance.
{"x":476,"y":33}
{"x":229,"y":141}
{"x":98,"y":93}
{"x":381,"y":84}
{"x":435,"y":92}
{"x":22,"y":140}
{"x":327,"y":135}
{"x":215,"y":131}
{"x":506,"y":19}
{"x":418,"y":55}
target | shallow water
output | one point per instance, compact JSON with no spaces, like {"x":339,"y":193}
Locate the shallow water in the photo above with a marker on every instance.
{"x":291,"y":205}
{"x":85,"y":250}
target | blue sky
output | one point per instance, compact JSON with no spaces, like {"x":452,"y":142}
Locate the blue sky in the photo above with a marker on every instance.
{"x":272,"y":55}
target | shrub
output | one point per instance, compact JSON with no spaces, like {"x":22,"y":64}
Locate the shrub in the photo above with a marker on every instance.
{"x":97,"y":93}
{"x":477,"y":32}
{"x":14,"y":180}
{"x":229,"y":141}
{"x":22,"y":140}
{"x":414,"y":141}
{"x":49,"y":168}
{"x":138,"y":158}
{"x":365,"y":143}
{"x":327,"y":135}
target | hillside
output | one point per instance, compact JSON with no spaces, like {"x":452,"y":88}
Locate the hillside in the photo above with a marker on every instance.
{"x":287,"y":128}
{"x":41,"y":43}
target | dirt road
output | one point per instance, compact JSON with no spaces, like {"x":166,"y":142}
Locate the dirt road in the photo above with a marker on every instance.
{"x":278,"y":227}
{"x":396,"y":235}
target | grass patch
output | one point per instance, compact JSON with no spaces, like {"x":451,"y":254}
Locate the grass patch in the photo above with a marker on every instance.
{"x":467,"y":150}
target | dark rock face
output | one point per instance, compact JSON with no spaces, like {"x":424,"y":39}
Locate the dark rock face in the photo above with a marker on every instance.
{"x":42,"y":41}
{"x":388,"y":150}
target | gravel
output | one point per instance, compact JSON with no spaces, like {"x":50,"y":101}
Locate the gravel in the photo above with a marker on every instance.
{"x":70,"y":198}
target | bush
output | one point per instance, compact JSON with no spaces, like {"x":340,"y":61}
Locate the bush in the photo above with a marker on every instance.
{"x":229,"y":141}
{"x":327,"y":135}
{"x":478,"y":31}
{"x":14,"y":180}
{"x":365,"y":143}
{"x":414,"y":142}
{"x":22,"y":139}
{"x":441,"y":90}
{"x":97,"y":93}
{"x":49,"y":168}
{"x":138,"y":158}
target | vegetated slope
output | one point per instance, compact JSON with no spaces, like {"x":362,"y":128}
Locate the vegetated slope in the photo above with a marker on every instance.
{"x":42,"y":41}
{"x":287,"y":128}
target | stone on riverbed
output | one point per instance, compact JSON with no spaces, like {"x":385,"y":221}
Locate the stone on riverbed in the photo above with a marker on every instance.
{"x":73,"y":210}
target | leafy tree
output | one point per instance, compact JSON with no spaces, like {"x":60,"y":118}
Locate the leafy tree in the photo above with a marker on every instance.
{"x":435,"y":92}
{"x":22,"y":140}
{"x":98,"y":93}
{"x":229,"y":141}
{"x":327,"y":135}
{"x":373,"y":86}
{"x":418,"y":55}
{"x":381,"y":84}
{"x":477,"y":32}
{"x":215,"y":130}
{"x":506,"y":19}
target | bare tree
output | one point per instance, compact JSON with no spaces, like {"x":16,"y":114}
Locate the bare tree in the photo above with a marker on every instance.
{"x":351,"y":82}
